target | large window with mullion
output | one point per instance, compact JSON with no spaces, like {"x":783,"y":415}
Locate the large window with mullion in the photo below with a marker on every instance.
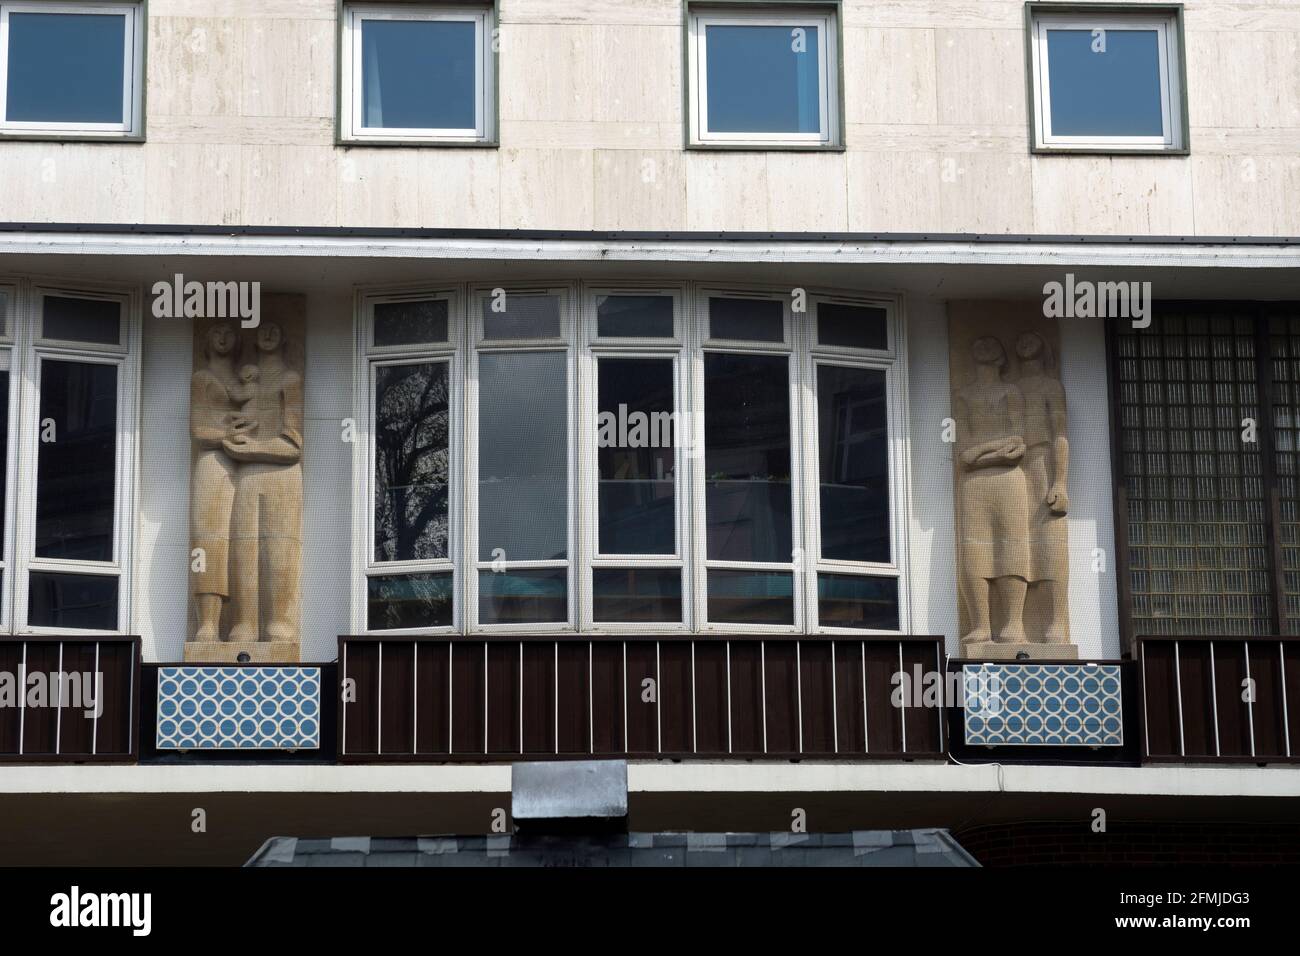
{"x":523,"y":450}
{"x":76,"y":426}
{"x":747,"y":476}
{"x":1205,"y":402}
{"x":412,"y":387}
{"x":636,"y":538}
{"x":852,"y":529}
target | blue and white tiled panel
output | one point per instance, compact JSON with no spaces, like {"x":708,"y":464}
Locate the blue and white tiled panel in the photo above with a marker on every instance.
{"x":1043,"y":705}
{"x":228,"y":708}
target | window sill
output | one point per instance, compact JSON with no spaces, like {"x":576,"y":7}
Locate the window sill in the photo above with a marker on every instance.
{"x":68,"y":137}
{"x":768,"y":147}
{"x":420,"y":143}
{"x":1037,"y":150}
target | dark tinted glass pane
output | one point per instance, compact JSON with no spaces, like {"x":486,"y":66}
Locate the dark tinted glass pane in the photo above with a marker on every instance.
{"x":751,"y":597}
{"x":75,"y":472}
{"x":852,"y":326}
{"x":747,"y":320}
{"x":87,"y":601}
{"x":634,"y":317}
{"x":629,"y":595}
{"x":848,"y":600}
{"x":408,"y":600}
{"x":410,"y":323}
{"x":533,"y":596}
{"x":853,"y":455}
{"x":417,"y":74}
{"x":523,"y":317}
{"x":81,"y":320}
{"x":66,"y":67}
{"x":1110,"y":92}
{"x":412,"y":461}
{"x":634,"y":454}
{"x":762,"y":79}
{"x":523,"y":483}
{"x":747,"y":457}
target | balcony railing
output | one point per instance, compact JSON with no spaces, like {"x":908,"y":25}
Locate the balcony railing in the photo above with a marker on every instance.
{"x":1220,"y":699}
{"x":92,"y":714}
{"x":426,"y":699}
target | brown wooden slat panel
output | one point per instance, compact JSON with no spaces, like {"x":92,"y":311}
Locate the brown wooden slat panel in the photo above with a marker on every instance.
{"x":1158,"y":683}
{"x":1268,"y":715}
{"x":1291,"y":658}
{"x":746,"y":697}
{"x":538,"y":701}
{"x":923,"y":730}
{"x":116,"y":725}
{"x":397,"y":697}
{"x":40,"y":724}
{"x":76,"y":736}
{"x":816,"y":698}
{"x":711,"y":703}
{"x":573,"y":726}
{"x":675,"y":712}
{"x":503,"y":698}
{"x":11,"y":658}
{"x":1234,"y":718}
{"x":361,"y":713}
{"x":1198,"y":697}
{"x":432,"y":700}
{"x":607,"y":698}
{"x":467,"y":697}
{"x":782,"y":703}
{"x":884,"y":720}
{"x":849,"y":713}
{"x":642,"y":714}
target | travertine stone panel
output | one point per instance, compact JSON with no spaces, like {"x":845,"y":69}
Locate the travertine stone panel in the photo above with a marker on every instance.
{"x":1011,"y":464}
{"x":246,"y":428}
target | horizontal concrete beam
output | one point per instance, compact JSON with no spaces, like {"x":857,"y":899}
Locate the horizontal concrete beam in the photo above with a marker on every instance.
{"x":656,"y":777}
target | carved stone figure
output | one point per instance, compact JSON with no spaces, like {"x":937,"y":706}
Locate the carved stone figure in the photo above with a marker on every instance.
{"x":990,"y":416}
{"x":246,"y":494}
{"x":1046,"y":465}
{"x":1011,"y":468}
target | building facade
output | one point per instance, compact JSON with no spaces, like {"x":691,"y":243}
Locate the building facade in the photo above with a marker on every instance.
{"x":396,"y":390}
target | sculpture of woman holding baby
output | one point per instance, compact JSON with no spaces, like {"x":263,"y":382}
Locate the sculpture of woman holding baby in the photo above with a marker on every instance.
{"x":246,"y":501}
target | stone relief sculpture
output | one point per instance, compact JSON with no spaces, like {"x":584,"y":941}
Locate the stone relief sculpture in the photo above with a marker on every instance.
{"x":990,"y":416}
{"x":246,"y":496}
{"x":1011,"y":465}
{"x":1046,"y":465}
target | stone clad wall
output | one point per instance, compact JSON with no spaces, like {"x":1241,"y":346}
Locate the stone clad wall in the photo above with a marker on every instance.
{"x":240,"y":127}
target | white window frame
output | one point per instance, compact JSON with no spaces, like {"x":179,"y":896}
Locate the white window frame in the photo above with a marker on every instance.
{"x":1168,"y":44}
{"x":583,"y":348}
{"x":8,"y":355}
{"x":30,"y":352}
{"x":566,"y":344}
{"x":593,"y":349}
{"x":700,"y":345}
{"x":828,"y":132}
{"x":371,"y":358}
{"x":350,"y":100}
{"x":893,"y":362}
{"x":133,"y":80}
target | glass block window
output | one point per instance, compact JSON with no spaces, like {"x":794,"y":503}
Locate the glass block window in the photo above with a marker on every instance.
{"x":1284,"y":350}
{"x":1198,"y":528}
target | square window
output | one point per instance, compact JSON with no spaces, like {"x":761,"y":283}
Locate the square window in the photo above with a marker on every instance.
{"x":1109,"y":83}
{"x":71,"y":68}
{"x":418,"y":73}
{"x":760,"y":78}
